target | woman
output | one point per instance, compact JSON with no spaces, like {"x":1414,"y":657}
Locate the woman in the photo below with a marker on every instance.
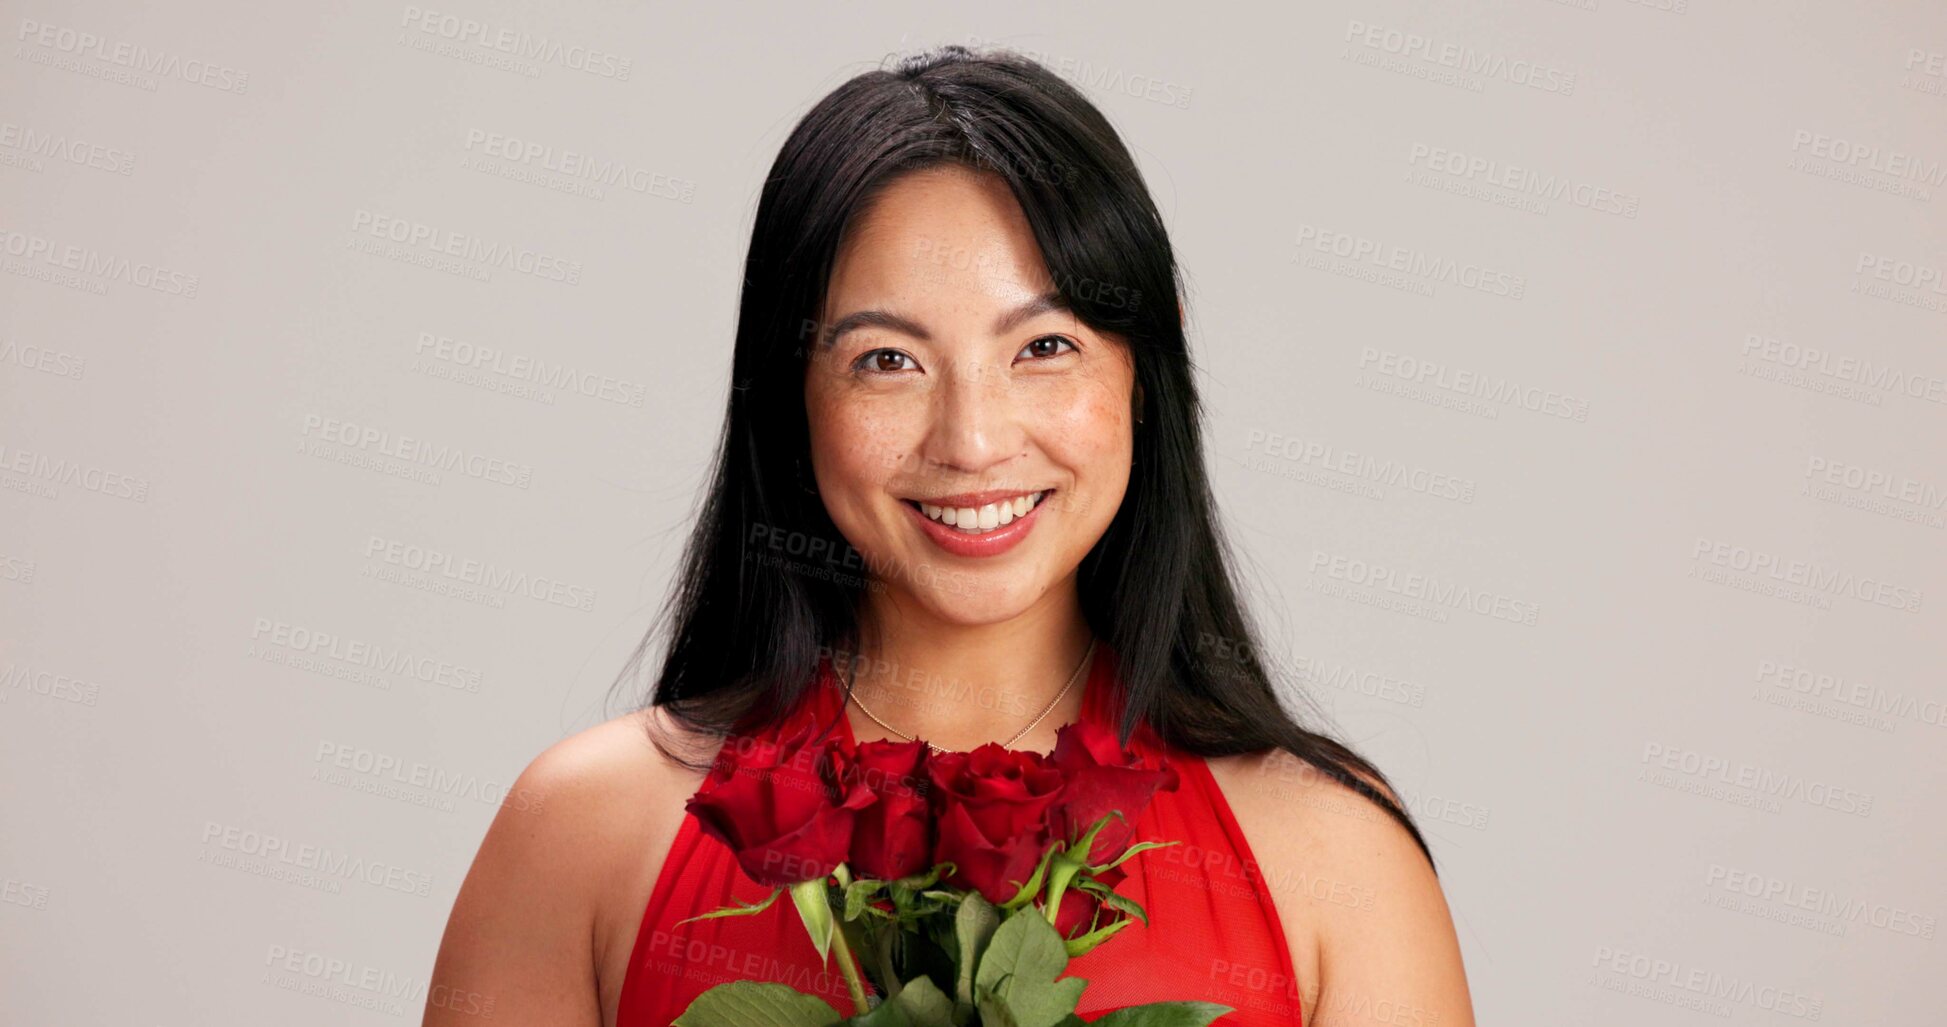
{"x":960,"y":497}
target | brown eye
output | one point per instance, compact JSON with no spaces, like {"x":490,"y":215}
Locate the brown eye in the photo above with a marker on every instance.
{"x":883,"y":361}
{"x":1047,"y":346}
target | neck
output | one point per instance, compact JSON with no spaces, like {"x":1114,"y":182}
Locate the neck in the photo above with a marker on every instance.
{"x":959,"y":686}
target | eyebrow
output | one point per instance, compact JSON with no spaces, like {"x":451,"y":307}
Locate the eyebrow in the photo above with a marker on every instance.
{"x":1042,"y":304}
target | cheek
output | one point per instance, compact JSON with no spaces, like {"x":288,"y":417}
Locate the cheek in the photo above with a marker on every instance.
{"x":858,"y":445}
{"x":1089,"y":426}
{"x":1090,"y":437}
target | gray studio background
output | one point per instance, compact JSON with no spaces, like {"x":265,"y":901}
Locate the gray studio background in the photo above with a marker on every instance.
{"x":1625,"y":319}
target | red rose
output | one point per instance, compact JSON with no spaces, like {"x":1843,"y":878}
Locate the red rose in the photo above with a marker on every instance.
{"x":784,"y":808}
{"x":992,"y":807}
{"x":892,"y":837}
{"x":1102,"y":776}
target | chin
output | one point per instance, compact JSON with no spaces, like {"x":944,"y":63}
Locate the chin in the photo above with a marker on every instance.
{"x":973,"y":600}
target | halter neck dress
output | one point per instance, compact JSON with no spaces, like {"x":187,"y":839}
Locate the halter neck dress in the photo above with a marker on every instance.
{"x":1213,"y":931}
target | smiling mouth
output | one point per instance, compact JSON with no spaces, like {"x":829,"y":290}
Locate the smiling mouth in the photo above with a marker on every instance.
{"x":979,"y":520}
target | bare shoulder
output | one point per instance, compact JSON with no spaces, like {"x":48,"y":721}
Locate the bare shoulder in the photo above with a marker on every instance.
{"x":544,"y":918}
{"x":1371,"y":935}
{"x":586,"y":801}
{"x":594,"y":774}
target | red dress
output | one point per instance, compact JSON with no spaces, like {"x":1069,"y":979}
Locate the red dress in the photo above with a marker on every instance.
{"x":1213,"y":931}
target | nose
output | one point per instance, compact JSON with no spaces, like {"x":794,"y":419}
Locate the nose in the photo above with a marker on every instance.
{"x":976,"y":421}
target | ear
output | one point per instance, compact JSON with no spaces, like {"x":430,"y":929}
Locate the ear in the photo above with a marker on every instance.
{"x":1136,"y":403}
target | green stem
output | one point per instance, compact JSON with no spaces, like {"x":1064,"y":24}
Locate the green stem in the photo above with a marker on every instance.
{"x":1057,"y":883}
{"x":850,"y":970}
{"x":882,"y":950}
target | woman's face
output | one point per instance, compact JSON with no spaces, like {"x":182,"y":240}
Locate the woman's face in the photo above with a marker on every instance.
{"x":941,"y":379}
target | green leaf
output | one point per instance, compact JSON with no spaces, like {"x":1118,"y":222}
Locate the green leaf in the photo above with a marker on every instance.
{"x":1110,"y":897}
{"x":1130,"y":851}
{"x":906,"y":888}
{"x":816,"y":912}
{"x":973,"y":925}
{"x":926,"y":879}
{"x":1033,"y":884}
{"x":1045,"y":1008}
{"x":1080,"y":849}
{"x":993,"y":1010}
{"x":756,"y":1004}
{"x":1020,"y":967}
{"x":1081,"y":945}
{"x":858,"y":895}
{"x":739,"y":910}
{"x":920,"y":1003}
{"x":1023,"y":945}
{"x":1165,"y":1014}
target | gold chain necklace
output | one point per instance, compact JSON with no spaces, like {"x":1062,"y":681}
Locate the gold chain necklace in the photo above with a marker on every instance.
{"x":1009,"y":744}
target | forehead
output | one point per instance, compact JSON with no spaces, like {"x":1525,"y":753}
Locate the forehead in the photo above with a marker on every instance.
{"x":947,"y":230}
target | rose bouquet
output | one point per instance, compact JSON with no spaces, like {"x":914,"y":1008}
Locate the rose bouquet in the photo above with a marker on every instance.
{"x":952,"y":887}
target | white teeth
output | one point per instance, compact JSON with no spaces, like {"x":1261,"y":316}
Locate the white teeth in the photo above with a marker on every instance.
{"x":985,"y":519}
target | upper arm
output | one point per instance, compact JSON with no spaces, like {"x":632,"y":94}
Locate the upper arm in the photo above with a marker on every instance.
{"x":519,"y":945}
{"x":1392,"y":957}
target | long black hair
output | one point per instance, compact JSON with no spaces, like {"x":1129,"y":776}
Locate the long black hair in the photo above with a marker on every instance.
{"x":768,"y":585}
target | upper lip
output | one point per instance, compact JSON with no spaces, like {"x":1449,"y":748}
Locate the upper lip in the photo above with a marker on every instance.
{"x":975,"y":500}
